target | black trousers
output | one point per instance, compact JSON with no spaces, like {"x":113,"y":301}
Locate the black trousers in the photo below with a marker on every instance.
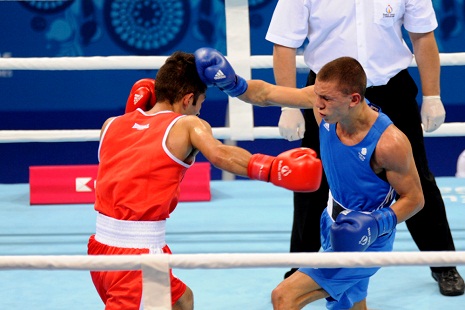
{"x":429,"y":228}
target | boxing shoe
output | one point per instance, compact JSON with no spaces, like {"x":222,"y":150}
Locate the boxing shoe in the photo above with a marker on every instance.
{"x":450,"y":282}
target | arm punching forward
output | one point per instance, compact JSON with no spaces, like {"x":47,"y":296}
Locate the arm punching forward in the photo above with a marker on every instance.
{"x":298,"y":169}
{"x":215,"y":70}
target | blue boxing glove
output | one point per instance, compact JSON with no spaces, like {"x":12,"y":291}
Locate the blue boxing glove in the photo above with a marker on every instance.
{"x":215,"y":70}
{"x":355,"y":231}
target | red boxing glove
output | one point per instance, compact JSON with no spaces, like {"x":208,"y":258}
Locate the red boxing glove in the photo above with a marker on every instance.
{"x":142,"y":96}
{"x":298,"y":169}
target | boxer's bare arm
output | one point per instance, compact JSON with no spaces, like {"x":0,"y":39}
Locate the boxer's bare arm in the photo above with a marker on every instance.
{"x":265,"y":94}
{"x":191,"y":133}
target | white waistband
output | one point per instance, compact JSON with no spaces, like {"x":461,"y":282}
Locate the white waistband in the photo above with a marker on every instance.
{"x":130,"y":234}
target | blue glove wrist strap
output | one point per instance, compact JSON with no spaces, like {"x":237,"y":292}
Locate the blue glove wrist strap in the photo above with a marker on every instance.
{"x":386,"y":219}
{"x":238,"y":89}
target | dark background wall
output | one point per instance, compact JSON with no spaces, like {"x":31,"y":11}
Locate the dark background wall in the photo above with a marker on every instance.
{"x":84,"y":99}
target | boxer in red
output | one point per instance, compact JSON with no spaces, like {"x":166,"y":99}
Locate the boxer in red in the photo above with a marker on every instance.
{"x":144,"y":155}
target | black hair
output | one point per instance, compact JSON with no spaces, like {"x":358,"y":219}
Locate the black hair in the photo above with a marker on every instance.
{"x":178,"y":77}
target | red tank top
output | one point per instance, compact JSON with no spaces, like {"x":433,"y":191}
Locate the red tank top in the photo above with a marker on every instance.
{"x":138,"y":178}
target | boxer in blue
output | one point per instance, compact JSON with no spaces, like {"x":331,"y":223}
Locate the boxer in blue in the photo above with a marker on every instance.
{"x":367,"y":161}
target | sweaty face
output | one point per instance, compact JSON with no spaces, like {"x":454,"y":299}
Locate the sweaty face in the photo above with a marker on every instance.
{"x":331,"y":104}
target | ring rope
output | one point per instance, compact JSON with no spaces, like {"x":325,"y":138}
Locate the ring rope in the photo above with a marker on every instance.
{"x":87,"y":135}
{"x":155,"y":62}
{"x":236,"y":260}
{"x":155,"y":268}
{"x":205,"y":261}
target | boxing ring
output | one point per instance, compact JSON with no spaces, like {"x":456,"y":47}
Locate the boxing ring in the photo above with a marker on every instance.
{"x":232,"y":251}
{"x":155,"y":267}
{"x":224,"y":241}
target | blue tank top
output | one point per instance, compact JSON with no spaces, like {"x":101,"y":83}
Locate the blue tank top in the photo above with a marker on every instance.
{"x":352,"y":182}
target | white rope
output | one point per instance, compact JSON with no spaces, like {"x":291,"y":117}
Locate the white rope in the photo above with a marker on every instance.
{"x":155,"y":268}
{"x":155,"y":62}
{"x":86,"y":135}
{"x":83,"y":63}
{"x":235,"y":260}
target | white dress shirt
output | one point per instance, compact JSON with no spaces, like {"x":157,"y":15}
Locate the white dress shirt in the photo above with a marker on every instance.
{"x":368,"y":30}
